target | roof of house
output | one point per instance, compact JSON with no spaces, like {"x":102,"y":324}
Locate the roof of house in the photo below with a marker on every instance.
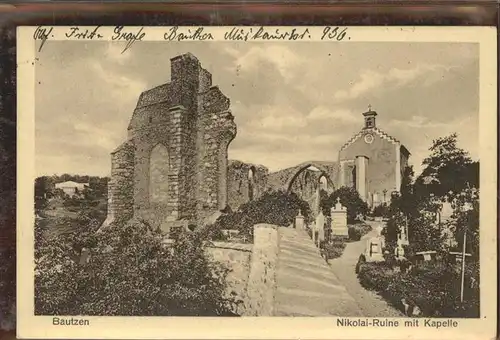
{"x":70,"y":184}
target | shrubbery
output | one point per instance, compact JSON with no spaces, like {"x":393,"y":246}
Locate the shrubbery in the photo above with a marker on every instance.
{"x":349,"y":198}
{"x":334,"y":248}
{"x":356,"y":231}
{"x":130,"y":272}
{"x":434,"y":288}
{"x":381,"y":210}
{"x":274,"y":207}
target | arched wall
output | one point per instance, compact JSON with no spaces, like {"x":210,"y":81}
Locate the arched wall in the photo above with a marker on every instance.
{"x":299,"y":169}
{"x":159,"y":165}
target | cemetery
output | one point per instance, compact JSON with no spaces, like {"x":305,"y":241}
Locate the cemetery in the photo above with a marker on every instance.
{"x":201,"y":235}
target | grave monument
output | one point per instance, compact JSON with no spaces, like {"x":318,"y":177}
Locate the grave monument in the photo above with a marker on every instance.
{"x":339,"y":219}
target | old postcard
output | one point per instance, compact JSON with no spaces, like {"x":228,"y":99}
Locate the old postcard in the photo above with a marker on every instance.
{"x":257,"y":182}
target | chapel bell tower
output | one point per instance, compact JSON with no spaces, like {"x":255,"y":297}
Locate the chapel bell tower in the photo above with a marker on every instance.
{"x":370,"y":118}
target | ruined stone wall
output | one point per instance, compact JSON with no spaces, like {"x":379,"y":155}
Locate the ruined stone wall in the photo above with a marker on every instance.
{"x":283,"y":179}
{"x":190,"y":121}
{"x":306,"y":183}
{"x":218,"y":131}
{"x":121,"y":190}
{"x":239,"y":183}
{"x":278,"y":180}
{"x":162,"y":127}
{"x":347,"y":172}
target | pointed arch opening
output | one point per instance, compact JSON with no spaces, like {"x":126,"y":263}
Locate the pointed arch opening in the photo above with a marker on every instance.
{"x":159,"y":166}
{"x":251,"y":183}
{"x":323,"y":183}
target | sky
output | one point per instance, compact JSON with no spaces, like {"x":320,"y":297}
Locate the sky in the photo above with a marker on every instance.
{"x":292,"y":102}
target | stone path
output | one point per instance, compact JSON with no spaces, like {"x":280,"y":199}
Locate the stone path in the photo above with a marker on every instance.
{"x":305,"y":284}
{"x":369,"y":302}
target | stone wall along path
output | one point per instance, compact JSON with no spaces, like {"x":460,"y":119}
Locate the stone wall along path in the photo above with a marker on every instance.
{"x":305,"y":284}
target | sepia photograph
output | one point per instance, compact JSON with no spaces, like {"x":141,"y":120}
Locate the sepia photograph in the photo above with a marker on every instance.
{"x":258,"y":179}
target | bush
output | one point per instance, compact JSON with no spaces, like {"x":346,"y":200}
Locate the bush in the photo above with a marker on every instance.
{"x":276,"y":207}
{"x":130,"y":272}
{"x":434,"y":288}
{"x":334,"y":248}
{"x":354,"y":234}
{"x":357,"y":231}
{"x":349,"y":198}
{"x":375,"y":276}
{"x":381,"y":210}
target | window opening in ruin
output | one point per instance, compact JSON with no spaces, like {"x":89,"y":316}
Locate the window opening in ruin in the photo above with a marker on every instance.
{"x":158,"y":175}
{"x":251,"y":183}
{"x":307,"y":185}
{"x":323,"y":183}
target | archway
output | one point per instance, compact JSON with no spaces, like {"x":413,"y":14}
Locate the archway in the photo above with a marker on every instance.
{"x":318,"y":167}
{"x":307,"y":182}
{"x":323,"y":183}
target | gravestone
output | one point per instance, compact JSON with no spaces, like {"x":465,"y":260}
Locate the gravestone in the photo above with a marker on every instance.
{"x":373,"y":249}
{"x":403,"y":236}
{"x":399,"y":252}
{"x":299,"y":221}
{"x":339,"y":220}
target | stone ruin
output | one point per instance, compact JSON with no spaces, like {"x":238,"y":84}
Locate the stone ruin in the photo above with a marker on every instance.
{"x":246,"y":182}
{"x":172,"y":169}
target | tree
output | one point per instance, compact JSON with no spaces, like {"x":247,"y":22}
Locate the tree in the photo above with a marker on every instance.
{"x":448,"y":169}
{"x":349,"y":198}
{"x":415,"y":210}
{"x":98,"y":186}
{"x":381,"y":210}
{"x":43,"y":191}
{"x":423,"y":231}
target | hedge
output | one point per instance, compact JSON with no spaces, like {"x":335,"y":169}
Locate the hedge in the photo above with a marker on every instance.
{"x":334,"y":248}
{"x":434,"y":288}
{"x":131,"y":272}
{"x":356,"y":231}
{"x":273,"y":207}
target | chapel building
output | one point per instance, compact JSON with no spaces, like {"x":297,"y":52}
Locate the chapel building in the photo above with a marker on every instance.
{"x":373,"y":162}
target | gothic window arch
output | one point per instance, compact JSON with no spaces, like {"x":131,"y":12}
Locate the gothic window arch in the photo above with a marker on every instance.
{"x":159,"y":166}
{"x":251,"y":183}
